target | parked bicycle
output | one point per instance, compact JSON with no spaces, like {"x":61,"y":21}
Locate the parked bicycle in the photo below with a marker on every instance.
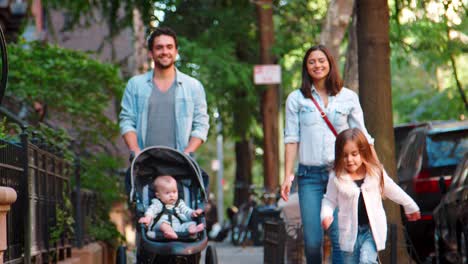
{"x":247,"y":221}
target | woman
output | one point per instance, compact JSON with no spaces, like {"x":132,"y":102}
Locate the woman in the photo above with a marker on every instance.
{"x":307,"y":132}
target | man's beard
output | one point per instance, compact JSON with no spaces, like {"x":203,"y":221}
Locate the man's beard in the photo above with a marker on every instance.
{"x":158,"y":65}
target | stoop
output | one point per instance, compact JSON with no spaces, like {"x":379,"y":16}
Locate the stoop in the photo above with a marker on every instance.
{"x":90,"y":254}
{"x":73,"y":260}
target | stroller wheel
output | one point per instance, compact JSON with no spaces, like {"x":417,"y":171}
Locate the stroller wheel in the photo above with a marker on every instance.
{"x":144,"y":257}
{"x":211,"y":256}
{"x":194,"y":259}
{"x":121,"y":257}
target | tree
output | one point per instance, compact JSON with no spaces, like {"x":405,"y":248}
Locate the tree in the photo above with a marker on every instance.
{"x":335,"y":25}
{"x":350,"y":73}
{"x":426,"y":43}
{"x":375,"y":93}
{"x":269,"y":100}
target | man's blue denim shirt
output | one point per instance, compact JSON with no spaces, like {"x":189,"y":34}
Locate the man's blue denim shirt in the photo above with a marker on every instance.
{"x":192,"y":119}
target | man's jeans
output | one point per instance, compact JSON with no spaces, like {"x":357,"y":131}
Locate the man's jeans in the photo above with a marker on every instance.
{"x":312,"y":186}
{"x":365,"y":250}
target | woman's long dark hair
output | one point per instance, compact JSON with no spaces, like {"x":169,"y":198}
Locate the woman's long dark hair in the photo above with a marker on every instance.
{"x":333,"y":83}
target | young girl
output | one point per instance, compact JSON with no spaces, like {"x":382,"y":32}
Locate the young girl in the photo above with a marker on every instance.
{"x":356,"y":186}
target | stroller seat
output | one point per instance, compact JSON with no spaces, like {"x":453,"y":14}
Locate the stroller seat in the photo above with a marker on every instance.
{"x":148,"y":193}
{"x":156,"y":161}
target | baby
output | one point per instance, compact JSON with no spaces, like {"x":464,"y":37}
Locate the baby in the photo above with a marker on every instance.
{"x":169,"y":212}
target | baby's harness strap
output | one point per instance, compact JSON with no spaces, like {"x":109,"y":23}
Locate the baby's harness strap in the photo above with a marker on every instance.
{"x":169,"y":212}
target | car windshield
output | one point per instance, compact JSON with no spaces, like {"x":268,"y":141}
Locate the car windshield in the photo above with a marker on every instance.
{"x":446,"y":149}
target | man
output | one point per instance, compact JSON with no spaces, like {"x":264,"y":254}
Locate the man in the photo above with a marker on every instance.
{"x":164,"y":106}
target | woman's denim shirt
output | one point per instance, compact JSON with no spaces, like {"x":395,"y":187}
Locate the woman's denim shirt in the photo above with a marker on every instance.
{"x":304,"y":124}
{"x":190,"y":108}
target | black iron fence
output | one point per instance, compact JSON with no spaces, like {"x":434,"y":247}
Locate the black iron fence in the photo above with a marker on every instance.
{"x":37,"y":230}
{"x":12,"y":175}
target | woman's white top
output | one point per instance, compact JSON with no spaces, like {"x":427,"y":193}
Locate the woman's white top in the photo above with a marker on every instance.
{"x":304,"y":124}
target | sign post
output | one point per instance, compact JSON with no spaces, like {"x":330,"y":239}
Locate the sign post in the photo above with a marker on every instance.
{"x":267,"y":74}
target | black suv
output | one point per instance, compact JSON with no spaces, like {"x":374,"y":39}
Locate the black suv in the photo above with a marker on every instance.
{"x":429,"y":152}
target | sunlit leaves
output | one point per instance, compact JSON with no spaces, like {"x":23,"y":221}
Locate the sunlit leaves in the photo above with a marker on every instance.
{"x":78,"y":89}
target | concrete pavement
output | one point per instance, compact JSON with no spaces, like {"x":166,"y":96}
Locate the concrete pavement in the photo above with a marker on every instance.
{"x":229,"y":254}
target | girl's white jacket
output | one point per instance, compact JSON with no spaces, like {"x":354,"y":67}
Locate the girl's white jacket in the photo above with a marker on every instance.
{"x":344,"y":193}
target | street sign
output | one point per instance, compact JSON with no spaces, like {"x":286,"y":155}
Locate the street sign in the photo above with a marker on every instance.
{"x":267,"y":74}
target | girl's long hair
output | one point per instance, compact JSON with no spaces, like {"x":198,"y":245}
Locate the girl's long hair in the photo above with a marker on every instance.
{"x":333,"y":83}
{"x":371,"y":164}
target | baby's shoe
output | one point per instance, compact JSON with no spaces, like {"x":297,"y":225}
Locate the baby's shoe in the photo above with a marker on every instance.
{"x":151,"y":234}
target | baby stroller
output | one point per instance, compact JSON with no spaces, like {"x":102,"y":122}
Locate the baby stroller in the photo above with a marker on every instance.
{"x":153,"y":162}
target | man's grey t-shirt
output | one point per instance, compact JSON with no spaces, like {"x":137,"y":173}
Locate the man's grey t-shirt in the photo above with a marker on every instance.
{"x":161,"y":118}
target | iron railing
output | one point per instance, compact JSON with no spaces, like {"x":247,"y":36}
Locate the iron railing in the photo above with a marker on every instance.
{"x":42,"y":180}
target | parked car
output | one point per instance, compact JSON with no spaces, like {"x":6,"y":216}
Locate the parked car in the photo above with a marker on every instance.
{"x":401,"y":131}
{"x":429,"y":153}
{"x":451,"y":219}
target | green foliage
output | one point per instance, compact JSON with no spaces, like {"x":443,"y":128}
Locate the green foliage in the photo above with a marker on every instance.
{"x":57,"y":140}
{"x":104,"y":230}
{"x":298,"y":27}
{"x":422,"y":73}
{"x":64,"y":220}
{"x":100,"y":174}
{"x":5,"y":131}
{"x":77,"y":88}
{"x":221,"y":56}
{"x":118,"y":14}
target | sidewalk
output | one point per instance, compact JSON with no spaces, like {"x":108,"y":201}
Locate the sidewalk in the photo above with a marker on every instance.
{"x":229,"y":254}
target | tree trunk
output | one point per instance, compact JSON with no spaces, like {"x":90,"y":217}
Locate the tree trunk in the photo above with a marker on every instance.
{"x":269,"y":99}
{"x":351,"y":74}
{"x":244,"y":156}
{"x":335,"y":25}
{"x":139,"y":44}
{"x":375,"y":95}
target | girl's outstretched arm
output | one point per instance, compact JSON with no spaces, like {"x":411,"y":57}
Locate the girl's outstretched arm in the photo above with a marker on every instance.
{"x":396,"y":194}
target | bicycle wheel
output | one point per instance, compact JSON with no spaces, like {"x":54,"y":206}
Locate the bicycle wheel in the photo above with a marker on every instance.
{"x":240,"y":229}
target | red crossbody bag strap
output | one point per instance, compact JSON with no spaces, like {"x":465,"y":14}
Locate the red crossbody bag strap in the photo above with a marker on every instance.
{"x":324,"y":116}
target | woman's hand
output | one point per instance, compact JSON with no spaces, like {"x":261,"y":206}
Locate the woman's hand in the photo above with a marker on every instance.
{"x":286,"y":187}
{"x":326,"y":222}
{"x":413,"y":216}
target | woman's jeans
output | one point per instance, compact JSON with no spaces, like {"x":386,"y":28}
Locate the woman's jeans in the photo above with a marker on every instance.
{"x":312,"y":186}
{"x":365,"y":250}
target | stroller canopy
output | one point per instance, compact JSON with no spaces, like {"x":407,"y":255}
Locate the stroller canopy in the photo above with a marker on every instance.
{"x":159,"y":160}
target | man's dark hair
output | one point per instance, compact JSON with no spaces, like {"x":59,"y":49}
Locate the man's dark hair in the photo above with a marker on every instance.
{"x":161,"y":31}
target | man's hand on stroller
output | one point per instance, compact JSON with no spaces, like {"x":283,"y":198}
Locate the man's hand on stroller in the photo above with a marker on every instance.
{"x":197,"y":212}
{"x":145,"y":220}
